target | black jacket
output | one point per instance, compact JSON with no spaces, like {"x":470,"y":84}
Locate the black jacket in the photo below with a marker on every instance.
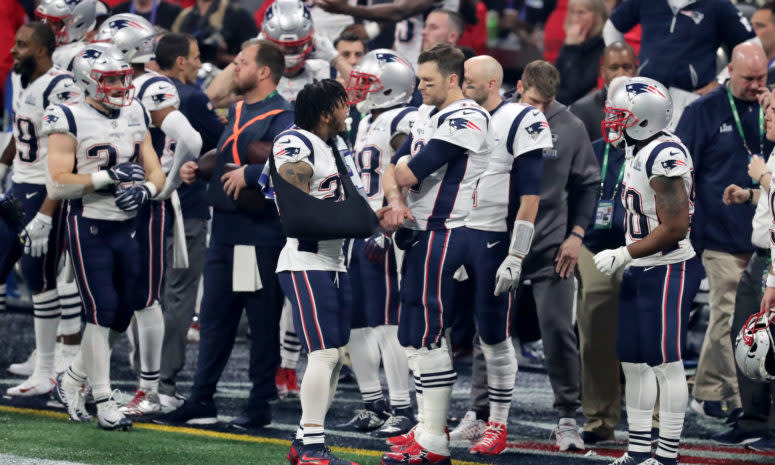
{"x":579,"y":66}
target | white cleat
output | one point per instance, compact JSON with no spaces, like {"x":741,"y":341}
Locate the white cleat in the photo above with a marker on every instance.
{"x":142,"y":404}
{"x":567,"y":434}
{"x":469,"y":429}
{"x":24,"y":368}
{"x":110,"y":417}
{"x":33,"y":386}
{"x":72,"y":397}
{"x":65,"y":354}
{"x":171,"y":402}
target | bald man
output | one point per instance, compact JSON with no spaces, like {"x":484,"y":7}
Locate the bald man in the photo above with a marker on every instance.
{"x":494,"y":261}
{"x":722,"y":132}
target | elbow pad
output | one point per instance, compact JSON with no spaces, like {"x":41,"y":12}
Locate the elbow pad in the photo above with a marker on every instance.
{"x":521,"y":238}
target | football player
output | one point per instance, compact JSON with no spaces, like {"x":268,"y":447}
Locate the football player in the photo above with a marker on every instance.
{"x":71,"y":21}
{"x":38,"y":84}
{"x":440,"y":164}
{"x":174,"y":140}
{"x":94,"y":150}
{"x":380,"y":86}
{"x":663,"y":274}
{"x":494,"y":263}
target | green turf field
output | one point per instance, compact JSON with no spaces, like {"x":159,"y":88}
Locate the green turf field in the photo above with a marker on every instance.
{"x":56,"y":438}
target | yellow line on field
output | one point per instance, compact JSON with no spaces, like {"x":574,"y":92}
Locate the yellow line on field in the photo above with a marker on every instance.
{"x":207,"y":433}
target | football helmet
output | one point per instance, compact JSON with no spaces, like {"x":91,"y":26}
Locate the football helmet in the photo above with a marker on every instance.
{"x":382,"y":79}
{"x":103,"y":73}
{"x":636,"y":108}
{"x":134,"y":36}
{"x":755,"y":348}
{"x":288,"y":23}
{"x":71,"y":19}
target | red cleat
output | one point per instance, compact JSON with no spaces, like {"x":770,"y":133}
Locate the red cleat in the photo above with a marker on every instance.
{"x":291,"y":383}
{"x":279,"y":381}
{"x":402,"y":439}
{"x":493,"y":440}
{"x":415,"y":454}
{"x":293,"y":452}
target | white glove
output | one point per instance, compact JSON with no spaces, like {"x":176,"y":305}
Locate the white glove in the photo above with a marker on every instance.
{"x":38,"y":230}
{"x":507,"y":276}
{"x":612,"y":260}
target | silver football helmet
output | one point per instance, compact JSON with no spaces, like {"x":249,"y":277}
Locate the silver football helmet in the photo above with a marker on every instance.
{"x":71,"y":19}
{"x":382,"y":79}
{"x":102,"y":72}
{"x":288,"y":23}
{"x":637,"y":107}
{"x":755,"y":348}
{"x":132,"y":34}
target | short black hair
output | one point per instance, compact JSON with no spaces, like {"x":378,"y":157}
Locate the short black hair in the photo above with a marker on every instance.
{"x":350,"y":37}
{"x":43,"y":34}
{"x":317,"y":99}
{"x":769,"y":6}
{"x":447,"y":57}
{"x":171,"y":46}
{"x":270,"y":55}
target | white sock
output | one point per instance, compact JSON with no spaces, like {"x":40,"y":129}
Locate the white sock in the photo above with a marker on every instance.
{"x":640,"y":396}
{"x":150,"y":335}
{"x":46,"y":309}
{"x":96,"y":355}
{"x":333,"y":382}
{"x":70,"y":304}
{"x":300,"y":432}
{"x":365,"y":358}
{"x":290,"y":346}
{"x":395,"y":364}
{"x":673,"y":397}
{"x":437,"y":377}
{"x":316,"y":386}
{"x":501,"y":364}
{"x":314,"y":435}
{"x":412,"y":355}
{"x":2,"y":297}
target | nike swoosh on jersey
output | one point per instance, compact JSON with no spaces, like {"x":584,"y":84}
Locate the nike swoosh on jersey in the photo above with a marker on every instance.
{"x":493,"y":244}
{"x":536,"y":113}
{"x":286,"y":141}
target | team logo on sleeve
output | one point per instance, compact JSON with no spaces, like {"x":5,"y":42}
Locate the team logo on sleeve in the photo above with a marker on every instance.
{"x":536,"y":129}
{"x":160,"y":98}
{"x":637,"y":88}
{"x":50,"y":119}
{"x":289,"y":152}
{"x":461,"y":123}
{"x":672,"y":162}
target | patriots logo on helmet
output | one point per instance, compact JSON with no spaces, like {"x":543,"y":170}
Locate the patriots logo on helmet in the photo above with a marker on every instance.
{"x":536,"y":129}
{"x":638,"y":88}
{"x":672,"y":163}
{"x":50,"y":119}
{"x":390,"y":58}
{"x":72,"y":2}
{"x":91,"y":53}
{"x":461,"y":123}
{"x":122,"y":23}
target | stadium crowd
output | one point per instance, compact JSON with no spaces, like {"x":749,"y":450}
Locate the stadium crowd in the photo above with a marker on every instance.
{"x":364,"y":180}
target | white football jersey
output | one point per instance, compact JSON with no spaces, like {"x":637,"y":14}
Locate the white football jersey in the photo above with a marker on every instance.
{"x":314,"y":70}
{"x":408,"y":38}
{"x":373,"y":151}
{"x":444,"y":198}
{"x":64,"y":54}
{"x":329,"y":25}
{"x":157,"y":92}
{"x":29,"y":105}
{"x":102,"y":142}
{"x":297,"y":145}
{"x":664,"y":156}
{"x":518,"y":129}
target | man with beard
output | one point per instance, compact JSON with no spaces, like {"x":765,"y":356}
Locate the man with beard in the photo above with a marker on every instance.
{"x":240,"y":266}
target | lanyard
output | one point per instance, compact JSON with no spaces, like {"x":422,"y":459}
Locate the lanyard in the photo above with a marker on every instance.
{"x":152,"y":19}
{"x":605,"y":168}
{"x":740,"y":125}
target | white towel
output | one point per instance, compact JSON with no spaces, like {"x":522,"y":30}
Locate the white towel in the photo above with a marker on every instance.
{"x":245,"y":276}
{"x":179,"y":247}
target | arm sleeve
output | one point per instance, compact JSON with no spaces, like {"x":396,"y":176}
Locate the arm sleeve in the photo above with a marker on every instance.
{"x":177,"y":127}
{"x":433,"y":156}
{"x":404,"y":149}
{"x":59,"y":119}
{"x":584,"y":182}
{"x":529,"y":168}
{"x":625,"y":16}
{"x":732,"y":25}
{"x":611,"y":34}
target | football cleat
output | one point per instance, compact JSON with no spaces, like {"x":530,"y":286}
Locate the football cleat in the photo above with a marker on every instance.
{"x":364,"y":420}
{"x":319,"y":454}
{"x":493,"y":440}
{"x":402,"y":440}
{"x":24,"y":368}
{"x":171,"y":401}
{"x":293,"y":452}
{"x":625,"y":459}
{"x":279,"y":381}
{"x":72,"y":397}
{"x":394,"y":426}
{"x":33,"y":386}
{"x":190,"y":413}
{"x":567,"y":434}
{"x":291,"y":382}
{"x":415,"y":454}
{"x":110,"y":417}
{"x":470,"y":428}
{"x":142,"y":404}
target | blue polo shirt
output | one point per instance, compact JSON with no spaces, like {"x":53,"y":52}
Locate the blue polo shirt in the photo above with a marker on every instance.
{"x":680,"y":49}
{"x":708,"y":130}
{"x":597,"y":240}
{"x":196,"y":107}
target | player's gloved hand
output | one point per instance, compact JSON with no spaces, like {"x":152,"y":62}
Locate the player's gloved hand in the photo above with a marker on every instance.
{"x":36,"y":240}
{"x":612,"y":260}
{"x":376,"y":247}
{"x":134,"y":197}
{"x":507,"y":276}
{"x":127,"y":172}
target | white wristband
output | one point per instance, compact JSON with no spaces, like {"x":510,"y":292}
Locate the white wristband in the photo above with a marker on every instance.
{"x":770,"y":280}
{"x":151,"y":188}
{"x":101,"y":179}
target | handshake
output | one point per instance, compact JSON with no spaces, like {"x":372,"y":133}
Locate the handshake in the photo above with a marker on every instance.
{"x":131,"y":189}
